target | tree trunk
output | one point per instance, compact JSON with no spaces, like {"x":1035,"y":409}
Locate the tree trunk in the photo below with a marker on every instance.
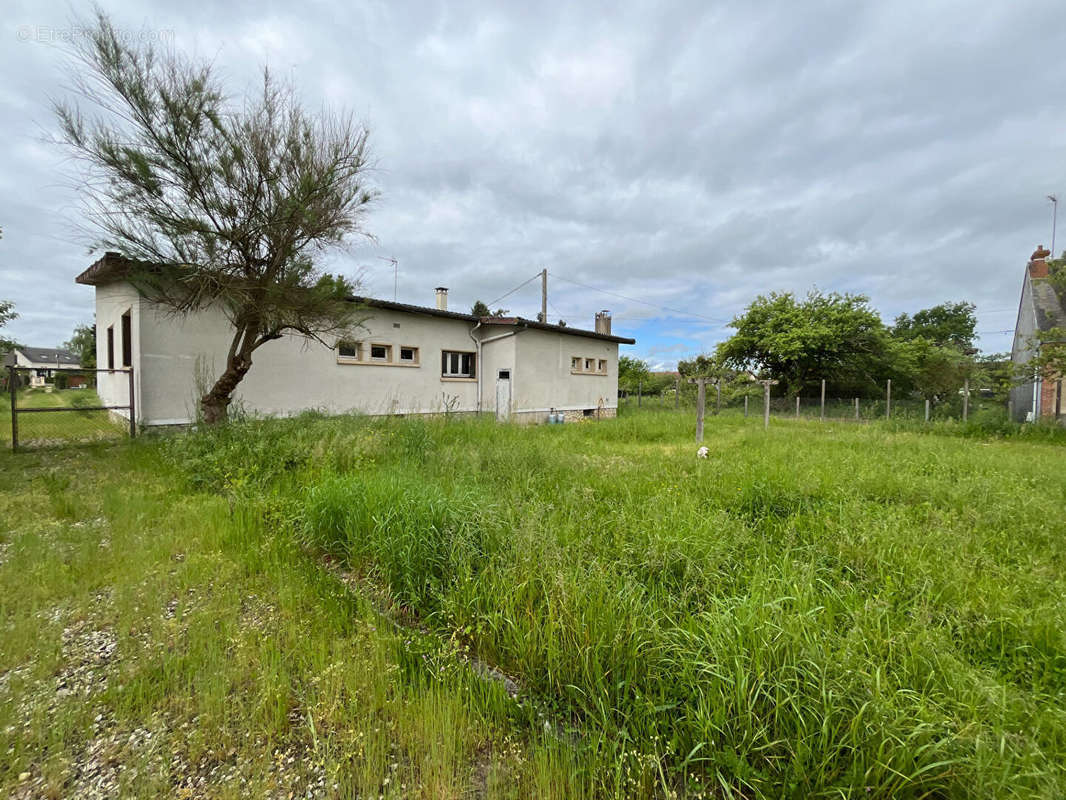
{"x":215,"y":404}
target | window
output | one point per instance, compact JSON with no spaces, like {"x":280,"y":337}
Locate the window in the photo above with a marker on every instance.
{"x":381,"y":352}
{"x":110,"y":346}
{"x":580,"y":365}
{"x":457,"y":364}
{"x":127,"y":340}
{"x":602,"y":367}
{"x":408,"y":355}
{"x":575,"y":363}
{"x":348,"y":349}
{"x":590,"y":365}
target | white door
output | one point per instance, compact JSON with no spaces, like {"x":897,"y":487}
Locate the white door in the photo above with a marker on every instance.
{"x":503,"y":395}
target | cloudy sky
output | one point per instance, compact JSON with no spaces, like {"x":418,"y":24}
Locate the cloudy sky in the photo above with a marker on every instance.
{"x":672,"y":159}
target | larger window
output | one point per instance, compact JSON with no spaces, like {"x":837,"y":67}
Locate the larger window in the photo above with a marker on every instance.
{"x":127,"y":340}
{"x":457,"y":364}
{"x":110,"y":346}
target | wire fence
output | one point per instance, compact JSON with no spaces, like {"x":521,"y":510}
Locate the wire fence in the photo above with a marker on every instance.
{"x":749,"y":398}
{"x":44,"y":407}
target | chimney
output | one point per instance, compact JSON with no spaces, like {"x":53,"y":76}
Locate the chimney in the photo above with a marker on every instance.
{"x":1038,"y":263}
{"x":603,"y":322}
{"x":442,"y":298}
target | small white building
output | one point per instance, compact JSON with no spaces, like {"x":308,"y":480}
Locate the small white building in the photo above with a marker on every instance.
{"x":44,"y":362}
{"x":406,"y":359}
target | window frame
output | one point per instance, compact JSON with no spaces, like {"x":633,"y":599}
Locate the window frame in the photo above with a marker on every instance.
{"x":355,"y":346}
{"x":416,"y":356}
{"x":385,"y":359}
{"x":447,"y":375}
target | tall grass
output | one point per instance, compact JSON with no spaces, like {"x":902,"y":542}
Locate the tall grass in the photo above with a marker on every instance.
{"x":816,"y":610}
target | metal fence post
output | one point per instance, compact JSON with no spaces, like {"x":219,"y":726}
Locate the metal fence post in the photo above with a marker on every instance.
{"x":965,"y":399}
{"x":701,"y":397}
{"x":888,"y":400}
{"x":133,"y":408}
{"x":797,"y":406}
{"x":927,"y":409}
{"x":823,"y":400}
{"x":677,"y":393}
{"x":718,"y":402}
{"x":745,"y":405}
{"x":14,"y":409}
{"x":856,"y":408}
{"x":766,"y":405}
{"x":640,"y":390}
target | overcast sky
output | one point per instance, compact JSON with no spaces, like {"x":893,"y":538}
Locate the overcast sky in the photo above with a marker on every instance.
{"x":685,"y":155}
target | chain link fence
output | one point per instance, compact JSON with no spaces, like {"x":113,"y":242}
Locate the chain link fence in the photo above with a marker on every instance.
{"x":51,"y":407}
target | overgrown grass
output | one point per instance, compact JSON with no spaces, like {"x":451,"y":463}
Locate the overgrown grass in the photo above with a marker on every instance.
{"x":815,"y":610}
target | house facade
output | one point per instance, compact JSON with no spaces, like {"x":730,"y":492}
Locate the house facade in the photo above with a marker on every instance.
{"x":44,"y":363}
{"x":404,"y":359}
{"x":1041,"y":309}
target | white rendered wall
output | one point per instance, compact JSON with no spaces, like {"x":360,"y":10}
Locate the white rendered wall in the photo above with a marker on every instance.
{"x":543,"y":379}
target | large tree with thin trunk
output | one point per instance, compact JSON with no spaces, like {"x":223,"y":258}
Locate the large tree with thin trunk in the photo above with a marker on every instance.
{"x":216,"y":204}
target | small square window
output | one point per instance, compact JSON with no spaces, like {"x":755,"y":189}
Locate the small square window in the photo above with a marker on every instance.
{"x":590,"y":365}
{"x":409,"y":355}
{"x":348,"y":349}
{"x":603,"y":366}
{"x":380,"y":352}
{"x":575,"y":363}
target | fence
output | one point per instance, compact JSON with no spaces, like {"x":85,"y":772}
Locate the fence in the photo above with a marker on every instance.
{"x":750,"y":399}
{"x":63,"y":406}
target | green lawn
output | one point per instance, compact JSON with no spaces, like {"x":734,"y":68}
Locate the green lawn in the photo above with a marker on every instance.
{"x":817,"y":610}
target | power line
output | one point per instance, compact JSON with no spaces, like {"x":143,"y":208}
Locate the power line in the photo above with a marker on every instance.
{"x":515,"y":289}
{"x":635,"y":300}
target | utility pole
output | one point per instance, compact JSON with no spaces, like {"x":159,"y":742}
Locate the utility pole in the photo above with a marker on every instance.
{"x":1054,"y":198}
{"x":544,"y":295}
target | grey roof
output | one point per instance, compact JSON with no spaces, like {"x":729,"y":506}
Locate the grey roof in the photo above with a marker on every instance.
{"x":49,"y":355}
{"x":113,"y":266}
{"x":1048,"y":305}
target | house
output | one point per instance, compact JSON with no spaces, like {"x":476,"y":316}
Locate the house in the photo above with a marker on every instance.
{"x":44,"y":363}
{"x":1042,"y":308}
{"x":406,"y":359}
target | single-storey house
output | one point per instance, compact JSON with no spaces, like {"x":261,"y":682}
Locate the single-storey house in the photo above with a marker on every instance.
{"x":44,"y":363}
{"x":406,"y":359}
{"x":1042,"y":308}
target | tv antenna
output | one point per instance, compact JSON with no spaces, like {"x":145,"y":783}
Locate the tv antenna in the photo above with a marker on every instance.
{"x":395,"y":273}
{"x":1054,"y":198}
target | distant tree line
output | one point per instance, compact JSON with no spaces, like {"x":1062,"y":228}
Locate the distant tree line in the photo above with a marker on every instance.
{"x":840,"y":337}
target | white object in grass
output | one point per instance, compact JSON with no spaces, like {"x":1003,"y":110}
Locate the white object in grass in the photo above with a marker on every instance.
{"x":702,"y":452}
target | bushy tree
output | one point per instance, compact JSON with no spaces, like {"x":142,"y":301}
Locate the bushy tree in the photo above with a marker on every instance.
{"x":799,"y":342}
{"x":482,"y":310}
{"x":7,"y":313}
{"x":944,"y":325}
{"x":632,"y":372}
{"x":216,"y":205}
{"x":83,"y":344}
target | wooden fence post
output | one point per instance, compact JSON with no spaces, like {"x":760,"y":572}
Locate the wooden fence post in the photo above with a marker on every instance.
{"x":701,"y":397}
{"x":823,"y":400}
{"x":888,"y":400}
{"x":965,"y":399}
{"x":133,"y":408}
{"x":12,"y":387}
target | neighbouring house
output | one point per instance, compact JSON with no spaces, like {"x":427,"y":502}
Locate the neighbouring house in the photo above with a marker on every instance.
{"x":44,"y":363}
{"x":1041,"y":309}
{"x":406,"y":359}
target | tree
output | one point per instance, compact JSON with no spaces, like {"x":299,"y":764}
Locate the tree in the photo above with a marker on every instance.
{"x":215,"y":205}
{"x":83,"y":344}
{"x":799,"y":342}
{"x":7,"y":313}
{"x":482,"y":310}
{"x":632,"y":372}
{"x":947,"y":324}
{"x":933,"y":371}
